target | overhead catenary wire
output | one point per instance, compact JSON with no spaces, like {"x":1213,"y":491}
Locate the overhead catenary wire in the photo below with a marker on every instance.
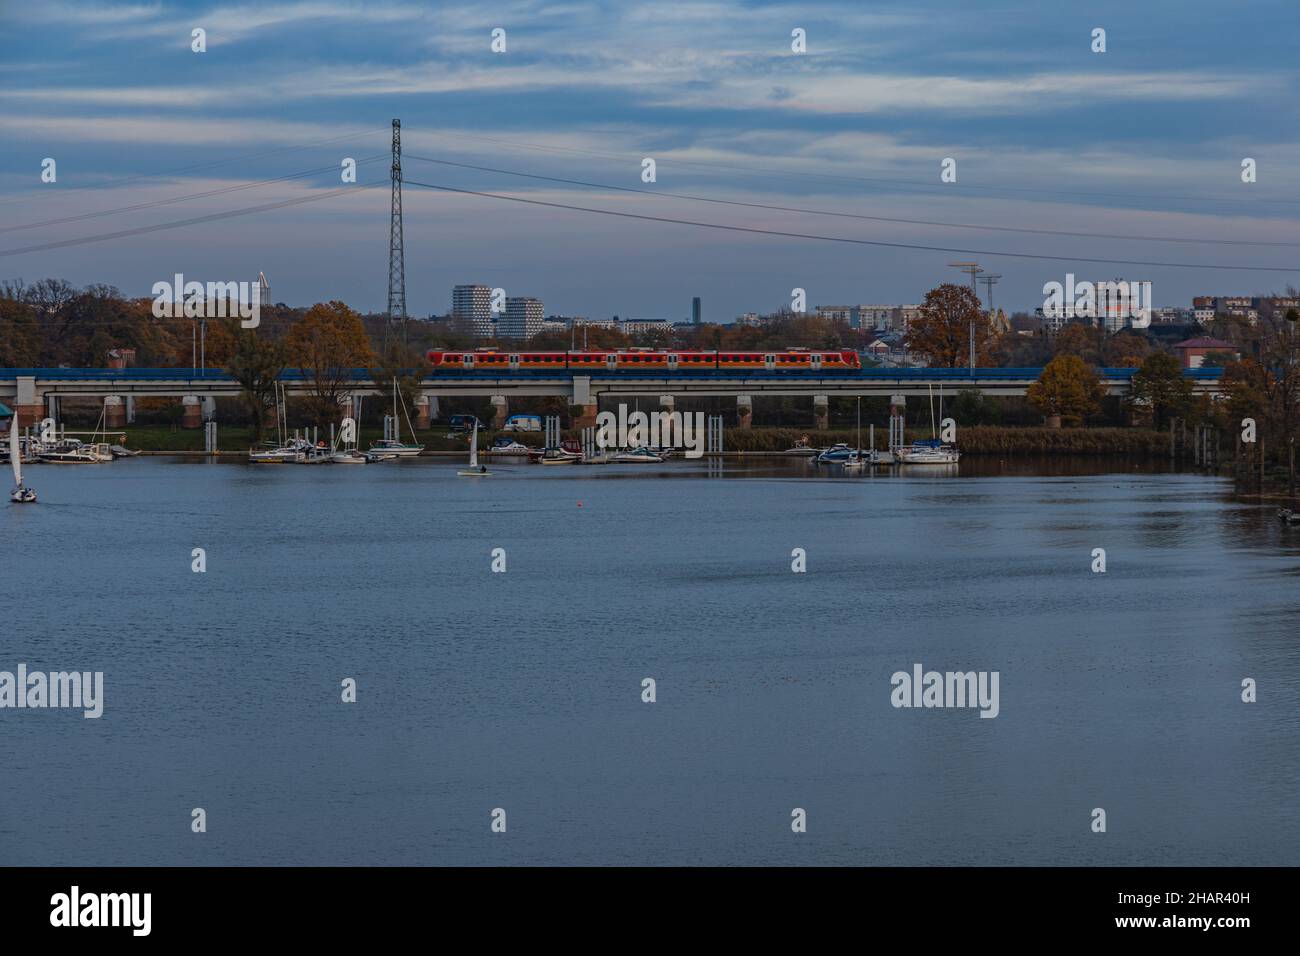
{"x":948,"y":188}
{"x":43,"y":192}
{"x":192,"y":221}
{"x":850,"y":215}
{"x":754,"y":230}
{"x":154,"y":203}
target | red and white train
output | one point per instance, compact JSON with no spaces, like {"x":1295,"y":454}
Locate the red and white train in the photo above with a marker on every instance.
{"x":648,"y":359}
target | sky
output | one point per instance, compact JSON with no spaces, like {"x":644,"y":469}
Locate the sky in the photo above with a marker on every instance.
{"x":1138,"y":146}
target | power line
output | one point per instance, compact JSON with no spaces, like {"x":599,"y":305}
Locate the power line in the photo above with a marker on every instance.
{"x":44,"y":192}
{"x":760,"y":170}
{"x":176,"y":199}
{"x":850,"y":215}
{"x":858,"y":242}
{"x":179,"y":223}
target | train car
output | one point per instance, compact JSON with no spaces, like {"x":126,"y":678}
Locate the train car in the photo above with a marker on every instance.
{"x":493,"y":359}
{"x":790,"y":360}
{"x":648,"y":360}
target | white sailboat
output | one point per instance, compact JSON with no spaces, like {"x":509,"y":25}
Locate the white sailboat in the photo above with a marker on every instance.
{"x":394,"y":447}
{"x":475,"y":470}
{"x":21,"y":495}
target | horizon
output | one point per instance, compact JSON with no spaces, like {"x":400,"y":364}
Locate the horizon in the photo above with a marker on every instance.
{"x":1141,"y":140}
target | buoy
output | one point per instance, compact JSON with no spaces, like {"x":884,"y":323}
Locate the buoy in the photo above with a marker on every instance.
{"x":579,"y":504}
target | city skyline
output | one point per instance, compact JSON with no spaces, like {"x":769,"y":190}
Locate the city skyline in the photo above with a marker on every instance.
{"x":1142,"y":140}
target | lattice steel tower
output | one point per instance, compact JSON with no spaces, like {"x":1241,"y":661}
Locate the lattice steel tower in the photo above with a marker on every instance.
{"x":396,"y":254}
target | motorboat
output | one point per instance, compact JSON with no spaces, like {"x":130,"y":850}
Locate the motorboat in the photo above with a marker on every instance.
{"x":71,"y":451}
{"x":395,"y":448}
{"x":121,"y":451}
{"x":568,"y":452}
{"x":348,"y":456}
{"x":636,"y":456}
{"x":837,"y":454}
{"x":802,"y":447}
{"x":1288,"y":517}
{"x":317,"y":454}
{"x":927,"y":451}
{"x":21,"y":495}
{"x":508,"y":447}
{"x":373,"y":456}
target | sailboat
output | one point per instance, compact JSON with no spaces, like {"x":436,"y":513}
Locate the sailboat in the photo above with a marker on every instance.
{"x":929,"y":451}
{"x":858,"y":458}
{"x":21,"y":495}
{"x":394,"y":447}
{"x":475,"y":470}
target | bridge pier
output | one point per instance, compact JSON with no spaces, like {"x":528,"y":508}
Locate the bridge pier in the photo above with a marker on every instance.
{"x":114,"y":411}
{"x":191,"y":412}
{"x":29,"y":406}
{"x":423,"y":411}
{"x":587,"y":417}
{"x":744,"y":412}
{"x":821,"y":412}
{"x":667,"y":403}
{"x":500,"y":411}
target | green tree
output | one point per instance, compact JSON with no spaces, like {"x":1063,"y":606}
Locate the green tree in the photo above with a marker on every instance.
{"x":1068,"y":387}
{"x":1160,"y":383}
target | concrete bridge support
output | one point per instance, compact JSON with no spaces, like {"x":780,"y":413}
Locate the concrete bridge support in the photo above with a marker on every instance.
{"x":821,"y":412}
{"x":500,"y":411}
{"x":114,"y":411}
{"x":667,"y":403}
{"x":744,"y":412}
{"x":29,"y":405}
{"x":191,"y":412}
{"x":423,"y":411}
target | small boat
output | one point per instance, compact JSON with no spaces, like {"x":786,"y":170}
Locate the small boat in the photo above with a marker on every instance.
{"x":507,"y":447}
{"x":836,"y":454}
{"x":568,"y":452}
{"x":317,"y":454}
{"x":349,"y":456}
{"x":71,"y":451}
{"x":395,"y":447}
{"x":21,"y":495}
{"x":1288,"y":516}
{"x":377,"y":456}
{"x":802,"y":447}
{"x":475,"y":470}
{"x":121,"y":451}
{"x":927,"y":451}
{"x":636,"y":456}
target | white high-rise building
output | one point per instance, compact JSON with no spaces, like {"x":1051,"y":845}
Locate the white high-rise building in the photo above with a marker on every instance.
{"x":523,"y":318}
{"x":473,"y":304}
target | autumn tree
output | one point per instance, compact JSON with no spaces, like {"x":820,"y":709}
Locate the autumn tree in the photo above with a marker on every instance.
{"x":20,"y":335}
{"x":1160,"y":384}
{"x":1079,"y":339}
{"x":942,"y":331}
{"x":1067,"y":387}
{"x":326,"y":345}
{"x":255,"y":363}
